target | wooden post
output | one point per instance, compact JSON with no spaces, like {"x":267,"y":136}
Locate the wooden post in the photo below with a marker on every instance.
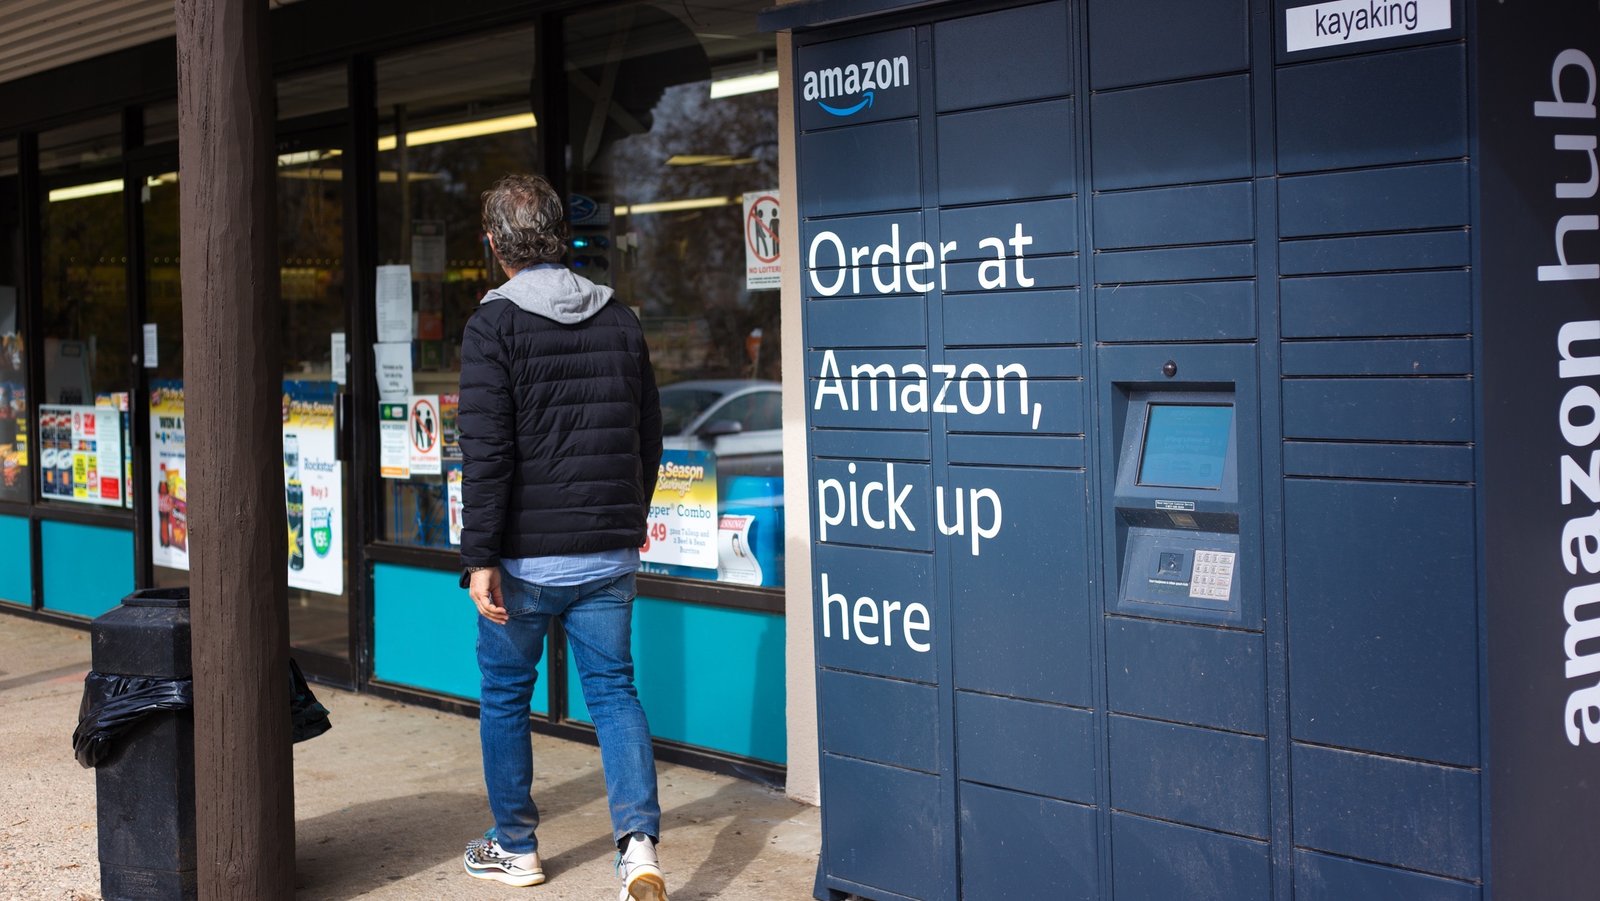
{"x":233,"y":395}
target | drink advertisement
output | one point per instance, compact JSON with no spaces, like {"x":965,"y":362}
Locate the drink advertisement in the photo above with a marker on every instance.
{"x":81,"y":454}
{"x":682,"y":527}
{"x":313,"y":487}
{"x":169,"y":475}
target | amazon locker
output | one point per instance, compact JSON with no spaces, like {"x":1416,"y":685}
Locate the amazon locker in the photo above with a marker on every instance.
{"x":1201,"y":414}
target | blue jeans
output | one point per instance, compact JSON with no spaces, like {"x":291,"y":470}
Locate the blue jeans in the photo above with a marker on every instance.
{"x":597,"y":617}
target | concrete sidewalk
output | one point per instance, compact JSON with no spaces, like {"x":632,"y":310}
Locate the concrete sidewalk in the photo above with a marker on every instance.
{"x":385,"y":803}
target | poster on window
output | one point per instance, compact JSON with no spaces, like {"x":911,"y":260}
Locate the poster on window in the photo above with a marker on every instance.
{"x":682,"y":526}
{"x":81,"y":459}
{"x":736,"y":558}
{"x":394,"y":442}
{"x":426,"y":430}
{"x":313,"y":487}
{"x":452,"y":489}
{"x":169,"y":475}
{"x":763,"y":267}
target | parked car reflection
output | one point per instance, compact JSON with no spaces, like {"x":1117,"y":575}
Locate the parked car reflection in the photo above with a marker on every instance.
{"x":739,"y":420}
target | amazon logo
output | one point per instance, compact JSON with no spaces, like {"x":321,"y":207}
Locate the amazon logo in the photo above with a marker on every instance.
{"x":846,"y":90}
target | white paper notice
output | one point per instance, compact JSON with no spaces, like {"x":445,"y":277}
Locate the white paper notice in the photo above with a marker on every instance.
{"x":736,"y":562}
{"x":336,"y":355}
{"x":425,"y":432}
{"x":151,"y":348}
{"x":394,"y":304}
{"x":394,"y":444}
{"x":394,"y":371}
{"x":428,"y":246}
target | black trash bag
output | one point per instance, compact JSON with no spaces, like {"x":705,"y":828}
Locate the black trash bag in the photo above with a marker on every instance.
{"x":307,"y":717}
{"x":114,"y":704}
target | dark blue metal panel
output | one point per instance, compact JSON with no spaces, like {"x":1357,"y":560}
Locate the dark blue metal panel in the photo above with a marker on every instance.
{"x":1406,"y":462}
{"x":1356,"y":306}
{"x":1328,"y":117}
{"x":1180,"y":311}
{"x":895,"y":495}
{"x":844,"y":575}
{"x":1378,"y":409}
{"x":1048,"y":750}
{"x":830,"y":96}
{"x":1003,"y":57}
{"x":1039,"y":362}
{"x":1412,"y":815}
{"x":1034,"y":317}
{"x":872,"y":165}
{"x":1198,"y":214}
{"x":1053,"y":407}
{"x":1171,"y":134}
{"x":1009,"y":153}
{"x":1016,"y":846}
{"x":1022,"y":450}
{"x":1175,"y":264}
{"x":1190,"y":775}
{"x":853,"y":231}
{"x":1042,"y":272}
{"x":879,"y":322}
{"x":1021,"y":628}
{"x":1447,"y":356}
{"x":1156,"y":861}
{"x":1145,"y":41}
{"x":885,"y":828}
{"x":1189,"y":674}
{"x":1373,"y":200}
{"x":1050,"y":227}
{"x":1383,"y":653}
{"x":871,"y":444}
{"x":1318,"y":877}
{"x":903,"y":733}
{"x":1425,"y":250}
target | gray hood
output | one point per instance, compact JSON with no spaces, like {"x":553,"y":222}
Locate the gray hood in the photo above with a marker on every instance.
{"x":553,"y":292}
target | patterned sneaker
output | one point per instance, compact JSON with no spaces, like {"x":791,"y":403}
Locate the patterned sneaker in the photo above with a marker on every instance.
{"x":485,"y":859}
{"x":640,"y":870}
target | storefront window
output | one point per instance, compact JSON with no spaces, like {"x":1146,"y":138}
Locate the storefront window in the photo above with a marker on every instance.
{"x":453,"y":117}
{"x":83,"y":411}
{"x":13,"y":348}
{"x":673,"y":143}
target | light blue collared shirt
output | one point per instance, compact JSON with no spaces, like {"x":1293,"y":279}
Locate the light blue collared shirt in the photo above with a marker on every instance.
{"x":573,"y":569}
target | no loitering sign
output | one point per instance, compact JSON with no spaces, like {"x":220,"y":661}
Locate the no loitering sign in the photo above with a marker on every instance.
{"x":763,"y":268}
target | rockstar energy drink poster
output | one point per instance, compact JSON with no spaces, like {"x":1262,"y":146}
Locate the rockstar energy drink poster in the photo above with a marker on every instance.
{"x":313,"y":487}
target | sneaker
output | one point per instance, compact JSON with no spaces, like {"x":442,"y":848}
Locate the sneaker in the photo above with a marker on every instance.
{"x":640,"y":870}
{"x":485,"y":859}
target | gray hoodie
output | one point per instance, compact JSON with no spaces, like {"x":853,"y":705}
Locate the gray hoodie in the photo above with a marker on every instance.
{"x":554,"y":292}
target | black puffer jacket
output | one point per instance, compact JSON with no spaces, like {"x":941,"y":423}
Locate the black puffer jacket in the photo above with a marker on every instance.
{"x":560,"y":421}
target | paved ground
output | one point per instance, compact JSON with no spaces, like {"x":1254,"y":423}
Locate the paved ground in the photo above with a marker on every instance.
{"x":385,"y":802}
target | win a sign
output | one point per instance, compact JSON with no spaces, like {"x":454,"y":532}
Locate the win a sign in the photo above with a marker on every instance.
{"x":866,"y":79}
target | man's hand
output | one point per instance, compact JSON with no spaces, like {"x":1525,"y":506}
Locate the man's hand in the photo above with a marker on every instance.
{"x":485,"y":591}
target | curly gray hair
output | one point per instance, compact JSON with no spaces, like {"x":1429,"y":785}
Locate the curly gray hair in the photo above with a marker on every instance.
{"x":524,"y":217}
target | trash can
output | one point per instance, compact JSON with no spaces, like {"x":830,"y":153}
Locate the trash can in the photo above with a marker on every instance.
{"x":144,"y":782}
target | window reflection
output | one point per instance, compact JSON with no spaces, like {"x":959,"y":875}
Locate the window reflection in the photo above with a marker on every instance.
{"x":14,"y":448}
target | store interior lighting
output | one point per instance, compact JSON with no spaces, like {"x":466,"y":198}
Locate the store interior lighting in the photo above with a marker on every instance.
{"x":673,"y":206}
{"x":749,"y":83}
{"x":92,"y":189}
{"x":709,"y":159}
{"x":477,"y":129}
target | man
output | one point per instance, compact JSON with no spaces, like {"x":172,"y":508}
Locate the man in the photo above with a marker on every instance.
{"x":560,"y":427}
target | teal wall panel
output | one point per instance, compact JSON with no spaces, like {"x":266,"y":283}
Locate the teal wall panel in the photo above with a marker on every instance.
{"x":708,"y":676}
{"x":425,"y":633}
{"x":16,"y":562}
{"x":87,"y":569}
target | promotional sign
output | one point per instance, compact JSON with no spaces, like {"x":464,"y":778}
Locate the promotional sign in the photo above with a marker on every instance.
{"x":168,"y":476}
{"x":682,"y":527}
{"x":313,"y":487}
{"x":425,"y":433}
{"x":763,"y":268}
{"x":81,"y":457}
{"x":452,"y":486}
{"x":394,"y":442}
{"x":736,"y":559}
